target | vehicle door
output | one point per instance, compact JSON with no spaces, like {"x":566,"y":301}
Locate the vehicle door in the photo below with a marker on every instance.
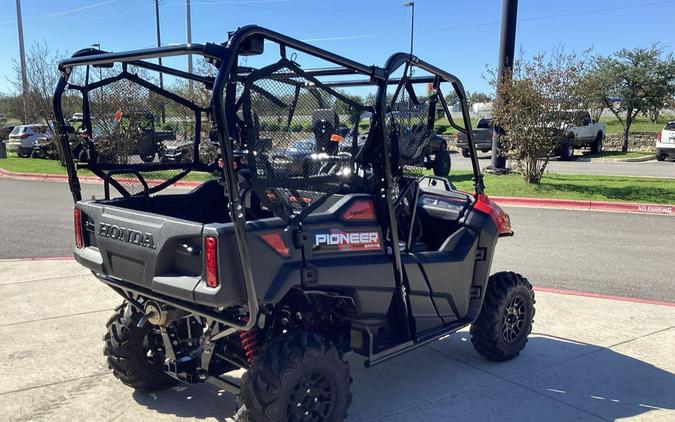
{"x":587,"y":128}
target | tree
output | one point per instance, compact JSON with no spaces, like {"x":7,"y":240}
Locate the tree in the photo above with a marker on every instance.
{"x":641,"y":81}
{"x":451,"y":98}
{"x":43,"y":74}
{"x":479,"y":97}
{"x":531,"y":107}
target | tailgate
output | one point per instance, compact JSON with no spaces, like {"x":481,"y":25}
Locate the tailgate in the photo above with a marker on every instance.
{"x":153,"y":251}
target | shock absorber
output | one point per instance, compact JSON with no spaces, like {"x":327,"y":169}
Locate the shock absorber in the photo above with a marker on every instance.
{"x":249,"y":342}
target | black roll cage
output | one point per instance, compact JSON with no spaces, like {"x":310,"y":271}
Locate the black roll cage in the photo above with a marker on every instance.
{"x":225,"y":58}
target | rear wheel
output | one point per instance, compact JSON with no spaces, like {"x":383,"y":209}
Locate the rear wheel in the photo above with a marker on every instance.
{"x":660,"y":157}
{"x":297,"y":377}
{"x":505,"y":321}
{"x":567,"y":151}
{"x":135,"y":354}
{"x":465,"y":152}
{"x":442,"y":161}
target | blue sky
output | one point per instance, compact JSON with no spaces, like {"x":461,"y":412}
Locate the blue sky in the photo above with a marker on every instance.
{"x":461,"y":36}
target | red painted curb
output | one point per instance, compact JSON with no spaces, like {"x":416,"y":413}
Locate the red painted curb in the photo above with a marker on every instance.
{"x":603,"y":296}
{"x":587,"y":205}
{"x":568,"y":204}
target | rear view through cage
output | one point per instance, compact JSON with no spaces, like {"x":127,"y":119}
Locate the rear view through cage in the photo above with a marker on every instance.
{"x":301,"y":137}
{"x":135,"y":135}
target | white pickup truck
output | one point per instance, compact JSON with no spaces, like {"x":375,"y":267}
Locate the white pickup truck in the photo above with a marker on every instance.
{"x":583,"y":131}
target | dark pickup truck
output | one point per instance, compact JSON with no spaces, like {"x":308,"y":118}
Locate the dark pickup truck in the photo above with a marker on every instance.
{"x":482,"y":137}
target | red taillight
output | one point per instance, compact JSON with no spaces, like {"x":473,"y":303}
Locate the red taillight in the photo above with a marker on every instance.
{"x":658,"y":137}
{"x":23,"y":136}
{"x":211,"y":261}
{"x":498,"y":215}
{"x":79,"y":243}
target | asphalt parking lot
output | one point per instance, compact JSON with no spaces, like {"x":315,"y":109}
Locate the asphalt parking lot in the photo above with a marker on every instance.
{"x":583,"y":165}
{"x":588,"y":359}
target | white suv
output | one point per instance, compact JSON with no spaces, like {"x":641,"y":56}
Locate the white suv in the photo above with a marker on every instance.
{"x":23,"y":137}
{"x":665,"y":142}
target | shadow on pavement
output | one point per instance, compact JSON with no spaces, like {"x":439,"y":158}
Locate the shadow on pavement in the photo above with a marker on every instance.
{"x":559,"y":379}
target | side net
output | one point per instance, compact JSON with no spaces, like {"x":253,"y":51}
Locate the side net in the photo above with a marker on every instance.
{"x":301,"y":137}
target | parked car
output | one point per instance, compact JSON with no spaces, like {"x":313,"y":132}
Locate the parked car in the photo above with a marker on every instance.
{"x":665,"y":142}
{"x":5,"y":131}
{"x":22,"y":138}
{"x":482,"y":137}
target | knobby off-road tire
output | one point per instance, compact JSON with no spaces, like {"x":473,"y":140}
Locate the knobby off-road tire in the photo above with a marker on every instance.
{"x":442,"y":162}
{"x":127,"y":348}
{"x":296,"y":377}
{"x":501,"y":329}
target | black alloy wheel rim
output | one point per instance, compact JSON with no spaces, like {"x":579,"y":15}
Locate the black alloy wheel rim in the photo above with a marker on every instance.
{"x":312,"y":398}
{"x":513,"y":320}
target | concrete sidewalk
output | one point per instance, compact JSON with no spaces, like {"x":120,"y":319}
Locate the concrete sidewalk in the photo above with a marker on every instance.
{"x":588,"y":359}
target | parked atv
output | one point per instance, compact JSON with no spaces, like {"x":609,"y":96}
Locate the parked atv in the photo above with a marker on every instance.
{"x":120,"y":136}
{"x":279,"y":272}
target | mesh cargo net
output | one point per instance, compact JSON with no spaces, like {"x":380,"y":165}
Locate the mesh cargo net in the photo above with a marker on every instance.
{"x":407,"y":124}
{"x":135,"y":130}
{"x":300,"y":137}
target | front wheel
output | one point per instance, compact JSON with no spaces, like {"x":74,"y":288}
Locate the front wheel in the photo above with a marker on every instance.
{"x":465,"y":152}
{"x":147,"y":158}
{"x":596,"y":146}
{"x":299,"y":376}
{"x":505,"y":321}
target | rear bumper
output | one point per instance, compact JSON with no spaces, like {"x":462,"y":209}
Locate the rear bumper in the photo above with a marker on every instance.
{"x":482,"y":146}
{"x":13,"y":146}
{"x":665,"y":148}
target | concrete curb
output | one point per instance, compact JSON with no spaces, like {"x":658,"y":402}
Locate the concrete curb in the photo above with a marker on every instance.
{"x":620,"y":160}
{"x":569,"y":204}
{"x":586,"y":205}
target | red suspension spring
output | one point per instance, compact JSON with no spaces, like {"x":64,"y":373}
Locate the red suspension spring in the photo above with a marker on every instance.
{"x":249,"y":342}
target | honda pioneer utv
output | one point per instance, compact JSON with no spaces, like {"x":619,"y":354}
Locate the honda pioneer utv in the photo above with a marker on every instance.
{"x":280,"y":264}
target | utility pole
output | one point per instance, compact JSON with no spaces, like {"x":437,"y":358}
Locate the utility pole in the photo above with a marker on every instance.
{"x":159,"y":59}
{"x":188,"y":24}
{"x":159,"y":41}
{"x":506,"y":51}
{"x":22,"y":54}
{"x":412,"y":23}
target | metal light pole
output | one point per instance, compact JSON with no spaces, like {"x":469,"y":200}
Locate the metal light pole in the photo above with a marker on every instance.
{"x":22,"y":54}
{"x":412,"y":23}
{"x":159,"y":41}
{"x":506,"y":51}
{"x":188,"y":25}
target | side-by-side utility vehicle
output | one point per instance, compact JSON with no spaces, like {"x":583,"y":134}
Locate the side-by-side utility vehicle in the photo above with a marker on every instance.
{"x":278,"y":267}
